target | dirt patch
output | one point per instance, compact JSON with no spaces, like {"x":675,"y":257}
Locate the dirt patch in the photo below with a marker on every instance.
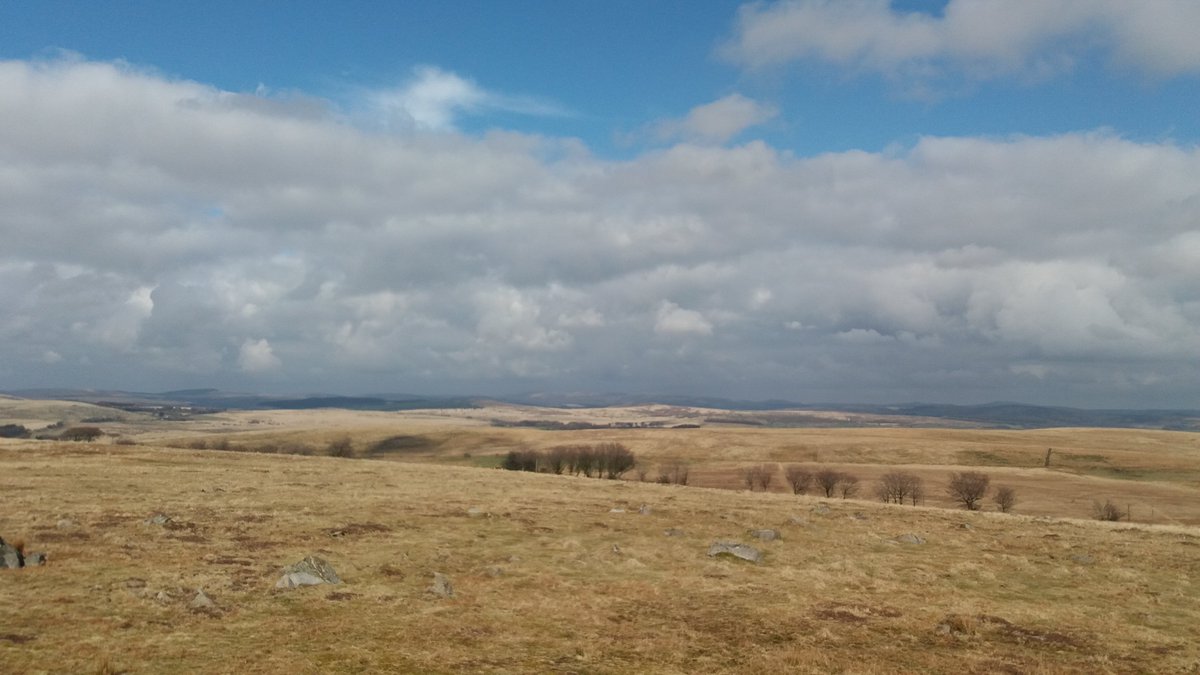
{"x":16,"y":638}
{"x":392,"y":571}
{"x":336,"y":595}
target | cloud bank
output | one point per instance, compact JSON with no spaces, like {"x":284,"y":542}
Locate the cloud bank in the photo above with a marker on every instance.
{"x":977,"y":39}
{"x":158,"y":232}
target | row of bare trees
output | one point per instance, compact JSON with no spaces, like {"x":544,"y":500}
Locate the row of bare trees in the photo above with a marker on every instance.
{"x":604,"y":460}
{"x":966,"y":488}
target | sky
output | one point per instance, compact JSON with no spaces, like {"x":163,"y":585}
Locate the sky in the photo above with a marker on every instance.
{"x":850,"y":201}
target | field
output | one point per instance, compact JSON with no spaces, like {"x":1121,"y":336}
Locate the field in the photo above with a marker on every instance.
{"x":564,"y":574}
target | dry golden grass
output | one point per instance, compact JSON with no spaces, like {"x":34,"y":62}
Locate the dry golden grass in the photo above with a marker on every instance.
{"x":548,"y":579}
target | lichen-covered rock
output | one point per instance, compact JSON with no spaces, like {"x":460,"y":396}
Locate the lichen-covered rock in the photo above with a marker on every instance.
{"x":765,"y":535}
{"x":310,"y":571}
{"x":736,"y":550}
{"x":910,"y":539}
{"x":35,"y":559}
{"x":10,"y":556}
{"x":441,"y":586}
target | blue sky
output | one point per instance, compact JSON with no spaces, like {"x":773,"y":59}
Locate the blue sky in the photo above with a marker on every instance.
{"x":859,"y":200}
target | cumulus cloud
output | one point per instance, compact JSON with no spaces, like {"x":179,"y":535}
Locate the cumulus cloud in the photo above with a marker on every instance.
{"x":979,"y":39}
{"x":256,"y":356}
{"x":435,"y":99}
{"x":155,"y":234}
{"x":718,"y":121}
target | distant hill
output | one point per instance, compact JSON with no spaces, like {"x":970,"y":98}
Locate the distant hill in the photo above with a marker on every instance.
{"x":1003,"y":415}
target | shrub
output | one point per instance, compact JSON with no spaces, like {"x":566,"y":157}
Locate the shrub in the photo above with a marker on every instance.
{"x":968,"y":488}
{"x":521,"y":460}
{"x":1107,"y":511}
{"x":613,"y":459}
{"x":340,"y":447}
{"x":1005,"y":498}
{"x":758,"y":476}
{"x":81,"y":434}
{"x":894,"y":487}
{"x":557,"y":459}
{"x":13,"y":431}
{"x":126,"y":441}
{"x":799,"y":478}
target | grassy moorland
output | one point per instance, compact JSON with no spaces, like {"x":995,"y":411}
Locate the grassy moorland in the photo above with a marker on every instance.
{"x":549,"y":578}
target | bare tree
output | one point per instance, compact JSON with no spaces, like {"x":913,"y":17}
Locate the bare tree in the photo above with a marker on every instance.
{"x":1005,"y":498}
{"x":1107,"y":511}
{"x":758,"y":476}
{"x":897,"y":486}
{"x":799,"y":478}
{"x":675,"y":472}
{"x":339,"y":447}
{"x":614,"y":459}
{"x":641,"y":469}
{"x":827,"y":480}
{"x":848,"y":485}
{"x":968,"y":488}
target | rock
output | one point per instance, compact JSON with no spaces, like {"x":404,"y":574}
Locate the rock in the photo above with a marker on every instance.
{"x":202,"y":601}
{"x":308,"y":572}
{"x":441,"y":586}
{"x":966,"y":526}
{"x":765,"y":535}
{"x":163,"y":597}
{"x":673,"y":532}
{"x":1083,"y":559}
{"x":645,"y":510}
{"x":616,"y":510}
{"x":66,"y":524}
{"x":736,"y":550}
{"x":909,"y":538}
{"x":797,"y":520}
{"x":859,"y":515}
{"x":822,"y":509}
{"x":10,"y":557}
{"x":158,"y":519}
{"x":616,"y":549}
{"x":35,"y":559}
{"x":475,"y":512}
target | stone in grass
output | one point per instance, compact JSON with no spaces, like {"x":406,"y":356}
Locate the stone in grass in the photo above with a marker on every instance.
{"x":441,"y":586}
{"x":10,"y":556}
{"x":821,"y":508}
{"x":766,"y":535}
{"x":909,"y":538}
{"x":645,"y":510}
{"x":201,"y":602}
{"x":673,"y":532}
{"x":308,"y":572}
{"x":1083,"y":559}
{"x":158,"y":519}
{"x":736,"y":550}
{"x":35,"y":559}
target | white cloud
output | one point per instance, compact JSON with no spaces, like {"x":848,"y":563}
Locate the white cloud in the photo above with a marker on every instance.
{"x":674,"y":320}
{"x":718,"y":121}
{"x":150,"y":227}
{"x":977,"y":38}
{"x":256,"y":356}
{"x":435,"y":99}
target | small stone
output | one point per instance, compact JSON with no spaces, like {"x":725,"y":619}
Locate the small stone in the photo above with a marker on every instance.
{"x":859,"y":515}
{"x":202,"y":601}
{"x":475,"y":512}
{"x":616,"y":510}
{"x":158,"y":519}
{"x":797,"y":520}
{"x":616,"y":549}
{"x":163,"y":597}
{"x":966,"y":526}
{"x":441,"y":586}
{"x":909,"y":539}
{"x":1083,"y":559}
{"x":645,"y":510}
{"x":10,"y":557}
{"x":65,"y":524}
{"x":673,"y":532}
{"x":765,"y":535}
{"x":736,"y":550}
{"x":35,"y":559}
{"x":821,"y":508}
